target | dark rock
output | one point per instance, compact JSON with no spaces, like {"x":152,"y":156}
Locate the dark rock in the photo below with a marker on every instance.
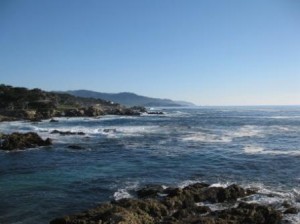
{"x":109,"y":130}
{"x":171,"y":192}
{"x":286,"y":204}
{"x":53,"y":121}
{"x":178,"y":207}
{"x":150,"y":191}
{"x":291,"y":210}
{"x":67,"y":132}
{"x":139,"y":109}
{"x":155,"y":112}
{"x":73,"y":113}
{"x":94,"y":111}
{"x":231,"y":193}
{"x":55,"y":132}
{"x":75,"y":147}
{"x":250,"y":213}
{"x":192,"y":211}
{"x":22,"y":141}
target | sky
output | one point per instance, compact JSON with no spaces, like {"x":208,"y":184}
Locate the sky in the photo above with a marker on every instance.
{"x":210,"y":52}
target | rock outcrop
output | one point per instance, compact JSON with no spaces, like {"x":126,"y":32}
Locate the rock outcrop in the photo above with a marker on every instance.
{"x":22,"y":141}
{"x":67,"y":132}
{"x":179,"y":206}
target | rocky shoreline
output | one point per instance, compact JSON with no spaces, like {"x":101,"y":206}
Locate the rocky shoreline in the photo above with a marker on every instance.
{"x":17,"y":103}
{"x":188,"y":205}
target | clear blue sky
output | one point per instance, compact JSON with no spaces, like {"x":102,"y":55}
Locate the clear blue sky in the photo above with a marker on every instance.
{"x":210,"y":52}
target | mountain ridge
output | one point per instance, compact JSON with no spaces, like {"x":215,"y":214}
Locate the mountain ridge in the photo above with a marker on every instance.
{"x":129,"y":98}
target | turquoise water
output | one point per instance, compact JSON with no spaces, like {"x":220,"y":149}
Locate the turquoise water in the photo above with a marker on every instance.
{"x":250,"y":146}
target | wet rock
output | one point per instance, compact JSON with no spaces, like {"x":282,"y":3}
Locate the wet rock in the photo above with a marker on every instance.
{"x":178,"y":207}
{"x":94,"y":111}
{"x":67,"y":132}
{"x":171,"y":191}
{"x":150,"y":191}
{"x":231,"y":193}
{"x":75,"y":147}
{"x":53,"y":121}
{"x":286,"y":204}
{"x":73,"y":113}
{"x":139,"y":109}
{"x":291,"y":210}
{"x":155,"y":112}
{"x":250,"y":213}
{"x":190,"y":212}
{"x":22,"y":141}
{"x":109,"y":130}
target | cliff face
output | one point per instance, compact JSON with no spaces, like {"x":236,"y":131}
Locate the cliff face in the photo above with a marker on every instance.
{"x":35,"y":104}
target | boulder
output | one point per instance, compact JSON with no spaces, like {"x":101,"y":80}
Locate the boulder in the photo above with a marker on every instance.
{"x":22,"y":141}
{"x":150,"y":191}
{"x":250,"y":213}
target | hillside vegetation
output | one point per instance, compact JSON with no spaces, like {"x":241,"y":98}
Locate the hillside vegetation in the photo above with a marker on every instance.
{"x":130,"y":99}
{"x":35,"y":104}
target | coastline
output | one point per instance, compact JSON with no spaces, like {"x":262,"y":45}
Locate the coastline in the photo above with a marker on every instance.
{"x":195,"y":203}
{"x":98,"y":169}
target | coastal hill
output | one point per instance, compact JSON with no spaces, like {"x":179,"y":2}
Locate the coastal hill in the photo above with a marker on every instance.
{"x":35,"y":104}
{"x":130,"y":99}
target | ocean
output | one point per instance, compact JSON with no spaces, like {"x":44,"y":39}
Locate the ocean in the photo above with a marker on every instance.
{"x":251,"y":146}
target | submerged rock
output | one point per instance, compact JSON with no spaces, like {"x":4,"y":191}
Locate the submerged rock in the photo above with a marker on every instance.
{"x":110,"y":130}
{"x":67,"y":132}
{"x":155,"y":112}
{"x":22,"y":141}
{"x":75,"y":147}
{"x":179,"y":206}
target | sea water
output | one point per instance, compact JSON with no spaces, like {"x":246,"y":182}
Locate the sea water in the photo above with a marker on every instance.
{"x":250,"y":146}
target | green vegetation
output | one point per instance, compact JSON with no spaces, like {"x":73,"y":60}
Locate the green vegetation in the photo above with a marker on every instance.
{"x":36,"y":104}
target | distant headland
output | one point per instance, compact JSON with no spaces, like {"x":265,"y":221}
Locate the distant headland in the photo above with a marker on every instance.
{"x":18,"y":103}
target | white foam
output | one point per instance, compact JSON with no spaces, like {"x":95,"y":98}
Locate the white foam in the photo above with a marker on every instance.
{"x":292,"y":219}
{"x":204,"y":137}
{"x":281,"y":152}
{"x":186,"y":183}
{"x":283,"y":128}
{"x":127,"y":131}
{"x":124,"y":192}
{"x":285,"y":117}
{"x":247,"y":131}
{"x":224,"y":185}
{"x":253,"y":149}
{"x":226,"y":136}
{"x":121,"y":193}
